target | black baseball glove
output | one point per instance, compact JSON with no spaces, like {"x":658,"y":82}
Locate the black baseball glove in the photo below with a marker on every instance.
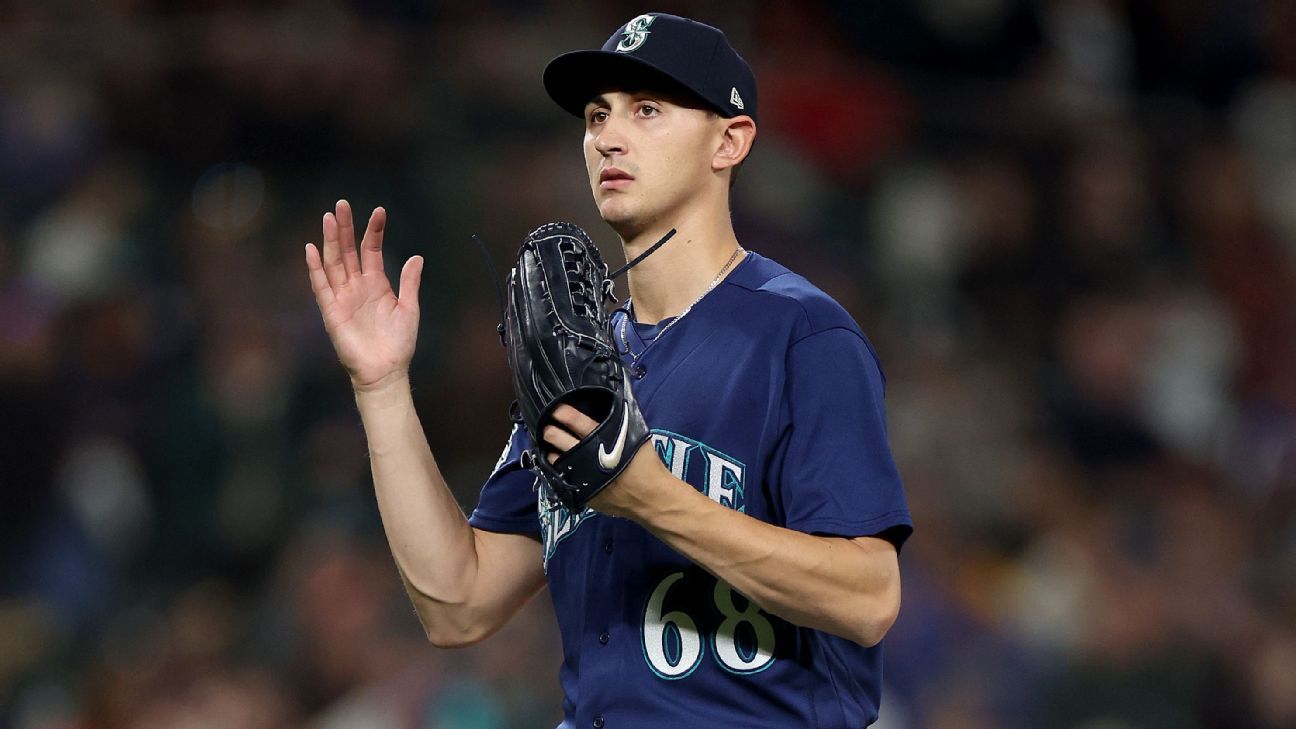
{"x":560,"y":348}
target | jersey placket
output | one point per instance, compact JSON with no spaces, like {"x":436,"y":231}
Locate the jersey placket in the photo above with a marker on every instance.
{"x":611,"y":641}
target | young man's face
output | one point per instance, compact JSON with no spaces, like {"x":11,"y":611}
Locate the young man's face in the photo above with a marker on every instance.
{"x":647,"y":156}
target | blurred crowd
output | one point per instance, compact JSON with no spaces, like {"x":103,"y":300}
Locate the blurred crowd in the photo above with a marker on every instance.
{"x":1068,"y":226}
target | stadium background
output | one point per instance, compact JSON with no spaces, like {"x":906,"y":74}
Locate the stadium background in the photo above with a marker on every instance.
{"x":1068,"y":226}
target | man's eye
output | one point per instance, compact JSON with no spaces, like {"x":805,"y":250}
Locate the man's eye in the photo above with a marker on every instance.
{"x":597,"y":117}
{"x":647,"y":110}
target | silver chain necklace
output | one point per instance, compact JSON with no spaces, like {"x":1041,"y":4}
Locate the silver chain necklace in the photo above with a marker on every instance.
{"x":625,"y":322}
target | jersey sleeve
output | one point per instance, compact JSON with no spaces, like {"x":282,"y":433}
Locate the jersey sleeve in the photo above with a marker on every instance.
{"x":508,"y":499}
{"x":837,"y":475}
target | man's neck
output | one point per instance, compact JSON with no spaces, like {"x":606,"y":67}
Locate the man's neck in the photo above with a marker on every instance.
{"x":665,"y":283}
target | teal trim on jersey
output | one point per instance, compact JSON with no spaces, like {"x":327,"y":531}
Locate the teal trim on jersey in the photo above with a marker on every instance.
{"x":667,"y":452}
{"x":548,"y":529}
{"x":740,"y":496}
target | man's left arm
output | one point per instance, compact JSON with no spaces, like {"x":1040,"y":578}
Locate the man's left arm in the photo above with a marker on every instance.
{"x":845,"y":586}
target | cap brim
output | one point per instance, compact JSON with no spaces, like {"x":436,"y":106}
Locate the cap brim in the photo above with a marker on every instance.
{"x":574,"y":78}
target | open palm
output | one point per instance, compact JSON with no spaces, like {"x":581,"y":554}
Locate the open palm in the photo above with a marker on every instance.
{"x":372,"y":328}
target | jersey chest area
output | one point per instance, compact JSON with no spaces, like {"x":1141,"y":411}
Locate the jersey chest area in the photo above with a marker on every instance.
{"x":711,"y":387}
{"x":712,"y":392}
{"x":713,"y":406}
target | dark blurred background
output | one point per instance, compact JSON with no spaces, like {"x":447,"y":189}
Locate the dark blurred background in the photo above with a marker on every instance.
{"x":1069,"y":227}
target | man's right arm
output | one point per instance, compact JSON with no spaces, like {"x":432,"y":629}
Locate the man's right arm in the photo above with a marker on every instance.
{"x":465,"y":583}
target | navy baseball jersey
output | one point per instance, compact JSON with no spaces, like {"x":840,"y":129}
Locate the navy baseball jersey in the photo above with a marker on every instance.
{"x":767,"y":398}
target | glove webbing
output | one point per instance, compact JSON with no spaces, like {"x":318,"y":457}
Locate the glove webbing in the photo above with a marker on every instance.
{"x":499,"y":288}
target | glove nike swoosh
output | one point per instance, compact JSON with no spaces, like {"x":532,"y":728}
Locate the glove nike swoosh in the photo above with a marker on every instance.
{"x":609,"y":459}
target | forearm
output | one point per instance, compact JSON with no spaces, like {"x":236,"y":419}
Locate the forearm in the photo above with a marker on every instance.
{"x":431,"y":541}
{"x":846,"y":587}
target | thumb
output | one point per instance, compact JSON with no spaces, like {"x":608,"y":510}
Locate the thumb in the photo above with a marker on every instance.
{"x":410,"y":278}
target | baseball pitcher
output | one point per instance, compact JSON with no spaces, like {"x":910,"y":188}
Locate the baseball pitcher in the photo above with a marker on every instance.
{"x":700,"y":474}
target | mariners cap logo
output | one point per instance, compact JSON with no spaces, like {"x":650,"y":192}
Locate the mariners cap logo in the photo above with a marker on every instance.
{"x":636,"y":32}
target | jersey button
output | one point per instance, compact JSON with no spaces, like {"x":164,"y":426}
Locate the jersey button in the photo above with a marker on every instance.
{"x":598,"y":722}
{"x":638,"y":371}
{"x":607,"y":546}
{"x":604,"y":638}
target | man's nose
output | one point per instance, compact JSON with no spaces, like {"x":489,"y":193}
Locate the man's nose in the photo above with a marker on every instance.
{"x":610,"y":140}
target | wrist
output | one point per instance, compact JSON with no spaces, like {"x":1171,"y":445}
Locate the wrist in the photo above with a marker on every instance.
{"x":647,"y":489}
{"x":396,"y":379}
{"x":388,"y":390}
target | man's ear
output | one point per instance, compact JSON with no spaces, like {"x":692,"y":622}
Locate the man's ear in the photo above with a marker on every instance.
{"x":736,"y":139}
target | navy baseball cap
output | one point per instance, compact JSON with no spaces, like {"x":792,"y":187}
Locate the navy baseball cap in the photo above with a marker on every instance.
{"x":657,"y":51}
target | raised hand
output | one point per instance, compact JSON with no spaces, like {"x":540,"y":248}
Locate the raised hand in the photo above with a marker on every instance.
{"x":372,"y":329}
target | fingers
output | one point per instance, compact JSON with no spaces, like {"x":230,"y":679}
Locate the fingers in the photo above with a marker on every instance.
{"x":410,"y":278}
{"x":371,"y":246}
{"x":574,"y":420}
{"x":318,"y":280}
{"x":341,"y":259}
{"x":334,"y":270}
{"x":575,"y":425}
{"x":559,"y":439}
{"x":346,"y":234}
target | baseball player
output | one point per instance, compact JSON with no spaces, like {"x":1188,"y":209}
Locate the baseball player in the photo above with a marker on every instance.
{"x":741,"y":570}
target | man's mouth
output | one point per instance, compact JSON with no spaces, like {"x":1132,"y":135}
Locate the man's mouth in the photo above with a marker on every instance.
{"x":612,"y":178}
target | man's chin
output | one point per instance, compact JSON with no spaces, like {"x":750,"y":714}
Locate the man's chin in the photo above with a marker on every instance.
{"x":617,"y":214}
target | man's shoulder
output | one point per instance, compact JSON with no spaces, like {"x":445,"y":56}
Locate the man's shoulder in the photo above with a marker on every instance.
{"x":778,"y":292}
